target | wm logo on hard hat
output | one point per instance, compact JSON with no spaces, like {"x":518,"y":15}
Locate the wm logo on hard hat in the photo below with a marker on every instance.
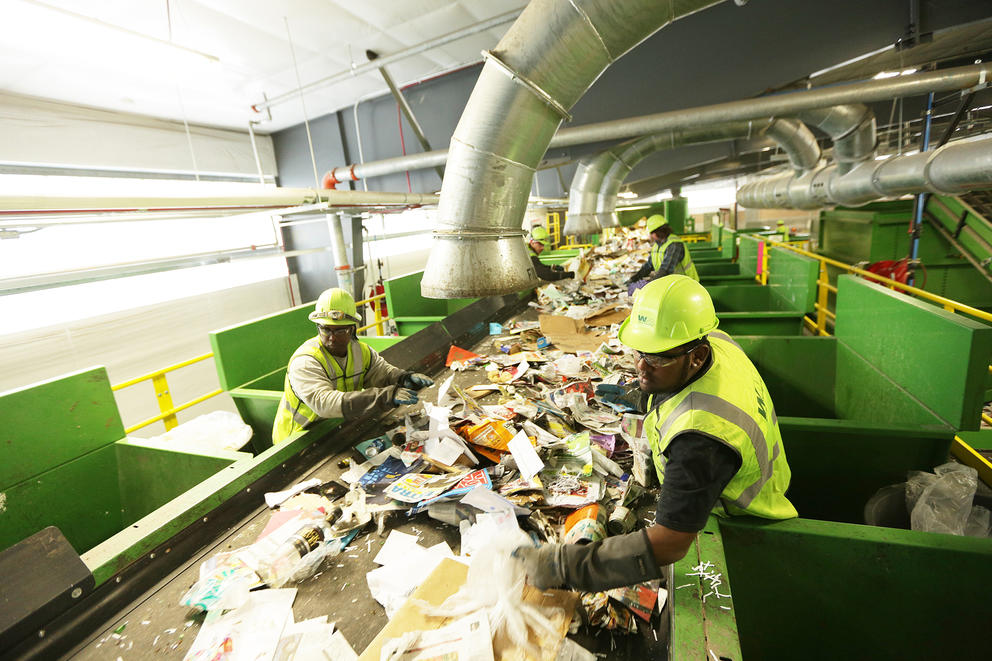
{"x":642,"y":318}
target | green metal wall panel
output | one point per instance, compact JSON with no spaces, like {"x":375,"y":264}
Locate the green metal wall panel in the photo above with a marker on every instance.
{"x":815,"y":589}
{"x":768,"y":323}
{"x":748,"y":254}
{"x":719,"y":268}
{"x":939,"y":358}
{"x":55,"y":421}
{"x":268,"y":340}
{"x":79,"y":496}
{"x":794,"y":277}
{"x":149,"y":474}
{"x":800,"y":372}
{"x":728,"y":243}
{"x":745,"y":298}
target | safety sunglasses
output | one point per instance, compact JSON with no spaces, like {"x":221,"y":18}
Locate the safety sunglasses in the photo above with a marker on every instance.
{"x":657,"y":360}
{"x":337,"y":331}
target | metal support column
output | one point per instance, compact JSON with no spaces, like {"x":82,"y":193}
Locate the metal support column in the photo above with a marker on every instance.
{"x":342,"y":267}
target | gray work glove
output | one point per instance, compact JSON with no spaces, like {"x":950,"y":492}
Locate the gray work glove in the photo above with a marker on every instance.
{"x":415,"y":381}
{"x":404,"y":396}
{"x":614,"y":562}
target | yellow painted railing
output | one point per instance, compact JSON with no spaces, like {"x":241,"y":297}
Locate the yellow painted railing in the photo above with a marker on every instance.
{"x":168,"y":411}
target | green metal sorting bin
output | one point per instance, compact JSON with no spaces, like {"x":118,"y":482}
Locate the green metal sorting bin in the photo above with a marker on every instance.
{"x":66,"y":463}
{"x":411,"y":311}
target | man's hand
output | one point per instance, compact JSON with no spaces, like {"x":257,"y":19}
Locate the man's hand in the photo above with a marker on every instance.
{"x":404,"y":396}
{"x":614,"y":562}
{"x":542,"y":564}
{"x":620,"y":396}
{"x":416,"y":381}
{"x":634,"y":286}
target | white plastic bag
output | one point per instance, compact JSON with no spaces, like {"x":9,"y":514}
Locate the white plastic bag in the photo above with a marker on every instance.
{"x":219,"y":430}
{"x":945,"y":503}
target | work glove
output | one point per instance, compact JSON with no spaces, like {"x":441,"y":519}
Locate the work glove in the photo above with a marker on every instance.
{"x":634,"y":286}
{"x":415,"y":381}
{"x":614,"y":562}
{"x":404,"y":396}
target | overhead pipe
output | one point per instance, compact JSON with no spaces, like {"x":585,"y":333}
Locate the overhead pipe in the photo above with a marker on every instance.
{"x":851,"y":128}
{"x":953,"y":169}
{"x":779,"y":105}
{"x":275,"y":198}
{"x":542,"y":66}
{"x":593,"y":194}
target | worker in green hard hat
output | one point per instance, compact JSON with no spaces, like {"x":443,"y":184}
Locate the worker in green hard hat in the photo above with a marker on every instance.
{"x":538,"y":242}
{"x":668,"y":255}
{"x":713,"y":434}
{"x":333,"y":375}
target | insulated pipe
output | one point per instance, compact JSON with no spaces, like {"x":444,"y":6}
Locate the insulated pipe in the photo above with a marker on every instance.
{"x":851,"y":127}
{"x":544,"y":64}
{"x":593,"y":194}
{"x":786,"y":104}
{"x":267,"y":199}
{"x":955,"y":168}
{"x":342,"y":269}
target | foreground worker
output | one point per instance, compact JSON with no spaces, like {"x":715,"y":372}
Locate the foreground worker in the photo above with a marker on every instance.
{"x":334,"y":375}
{"x":540,"y":241}
{"x":668,"y":256}
{"x":714,"y":440}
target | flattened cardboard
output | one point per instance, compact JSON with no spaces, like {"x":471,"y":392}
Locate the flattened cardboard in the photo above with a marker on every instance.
{"x":569,"y":334}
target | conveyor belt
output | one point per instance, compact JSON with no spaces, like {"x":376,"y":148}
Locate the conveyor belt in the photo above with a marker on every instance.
{"x":155,"y":626}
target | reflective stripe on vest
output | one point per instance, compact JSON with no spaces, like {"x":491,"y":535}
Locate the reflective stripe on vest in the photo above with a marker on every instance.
{"x":716,"y":405}
{"x":293,"y":413}
{"x":684,"y":267}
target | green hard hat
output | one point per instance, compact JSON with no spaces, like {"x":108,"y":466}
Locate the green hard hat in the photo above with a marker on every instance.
{"x":667,"y":313}
{"x":656,"y":221}
{"x":540,"y":234}
{"x":335,"y":307}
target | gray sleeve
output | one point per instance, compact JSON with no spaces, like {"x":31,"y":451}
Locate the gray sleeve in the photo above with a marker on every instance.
{"x":382,"y":373}
{"x":312,"y":385}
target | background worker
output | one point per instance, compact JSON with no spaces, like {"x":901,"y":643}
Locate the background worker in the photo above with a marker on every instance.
{"x":713,"y":434}
{"x":334,"y":375}
{"x":668,"y":255}
{"x":538,"y":242}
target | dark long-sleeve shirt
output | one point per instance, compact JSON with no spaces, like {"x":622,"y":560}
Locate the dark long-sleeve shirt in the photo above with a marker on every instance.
{"x":669,"y":263}
{"x":545,"y":272}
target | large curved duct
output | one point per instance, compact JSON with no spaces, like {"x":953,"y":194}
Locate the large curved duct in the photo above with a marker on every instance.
{"x":851,"y":127}
{"x":540,"y":68}
{"x":593,"y":194}
{"x":950,"y":170}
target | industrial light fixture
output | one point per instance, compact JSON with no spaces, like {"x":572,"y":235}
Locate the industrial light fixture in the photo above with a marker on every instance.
{"x":627,"y":194}
{"x":892,"y":74}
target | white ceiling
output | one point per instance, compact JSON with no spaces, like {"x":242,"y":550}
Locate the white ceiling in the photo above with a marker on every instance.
{"x":223,"y":55}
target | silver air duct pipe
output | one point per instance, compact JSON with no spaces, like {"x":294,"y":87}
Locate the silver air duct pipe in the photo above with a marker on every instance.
{"x":955,"y":168}
{"x":540,"y":68}
{"x":851,"y":127}
{"x":787,"y":104}
{"x":593,"y":194}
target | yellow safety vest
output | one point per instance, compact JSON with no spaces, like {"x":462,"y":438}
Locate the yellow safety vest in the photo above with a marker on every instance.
{"x":293,"y":413}
{"x":731,"y":404}
{"x":685,"y":267}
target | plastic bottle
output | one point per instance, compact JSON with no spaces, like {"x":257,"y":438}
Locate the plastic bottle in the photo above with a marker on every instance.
{"x":287,"y":559}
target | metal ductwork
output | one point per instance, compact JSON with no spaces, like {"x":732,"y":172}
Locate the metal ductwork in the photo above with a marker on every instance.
{"x":955,"y":168}
{"x":851,"y":128}
{"x":538,"y":71}
{"x":593,"y":194}
{"x":787,"y":104}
